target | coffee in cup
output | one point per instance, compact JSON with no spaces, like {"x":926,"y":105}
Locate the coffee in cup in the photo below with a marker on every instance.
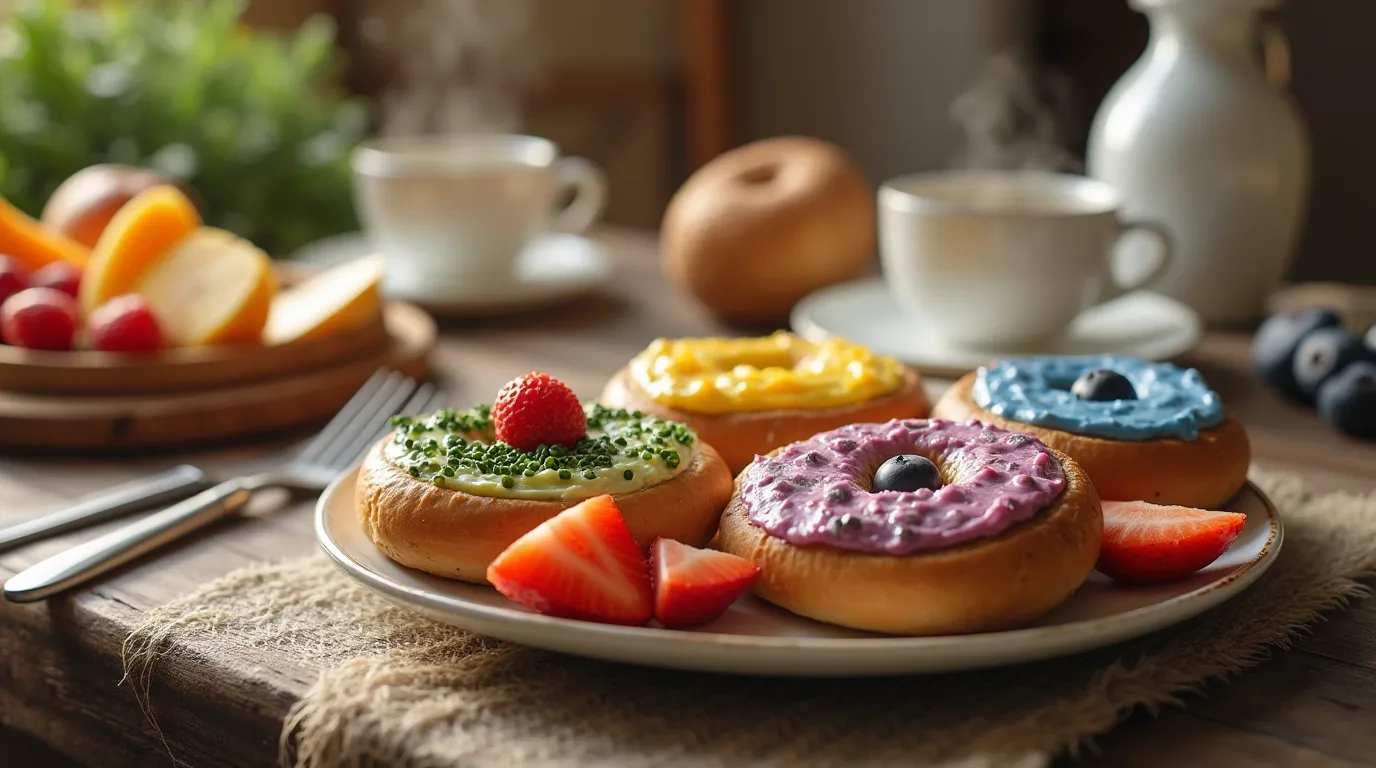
{"x":1005,"y":260}
{"x":461,"y":209}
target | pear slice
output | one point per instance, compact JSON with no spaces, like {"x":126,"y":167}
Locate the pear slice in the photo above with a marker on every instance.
{"x":339,"y":299}
{"x":213,"y":287}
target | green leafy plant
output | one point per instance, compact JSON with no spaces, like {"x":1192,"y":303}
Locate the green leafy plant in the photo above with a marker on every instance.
{"x":248,"y":119}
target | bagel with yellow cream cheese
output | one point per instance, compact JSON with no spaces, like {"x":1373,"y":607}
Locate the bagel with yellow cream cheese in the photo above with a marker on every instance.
{"x":748,"y":396}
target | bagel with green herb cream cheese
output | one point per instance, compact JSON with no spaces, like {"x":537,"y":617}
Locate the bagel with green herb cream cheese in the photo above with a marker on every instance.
{"x":442,"y":495}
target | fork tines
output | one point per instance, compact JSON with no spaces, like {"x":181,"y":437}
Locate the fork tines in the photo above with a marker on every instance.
{"x":367,"y":416}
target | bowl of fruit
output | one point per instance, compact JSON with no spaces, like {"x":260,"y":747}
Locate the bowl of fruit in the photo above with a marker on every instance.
{"x":1311,"y":359}
{"x":119,"y":294}
{"x":159,"y":302}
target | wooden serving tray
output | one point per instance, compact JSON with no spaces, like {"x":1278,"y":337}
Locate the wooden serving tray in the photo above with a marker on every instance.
{"x":184,"y":369}
{"x":292,"y":387}
{"x":181,"y":369}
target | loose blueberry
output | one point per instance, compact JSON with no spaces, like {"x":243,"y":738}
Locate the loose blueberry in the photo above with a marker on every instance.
{"x":907,"y":473}
{"x":1273,"y":347}
{"x":1323,"y":353}
{"x":1103,"y":385}
{"x":1348,"y":400}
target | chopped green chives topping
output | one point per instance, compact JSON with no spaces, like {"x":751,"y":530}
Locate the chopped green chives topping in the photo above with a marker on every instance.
{"x":444,"y":442}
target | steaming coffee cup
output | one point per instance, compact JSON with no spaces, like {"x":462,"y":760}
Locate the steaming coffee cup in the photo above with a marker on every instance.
{"x":1006,"y":260}
{"x":459,"y":210}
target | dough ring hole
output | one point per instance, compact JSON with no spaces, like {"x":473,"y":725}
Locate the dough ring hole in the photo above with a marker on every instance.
{"x":760,"y":174}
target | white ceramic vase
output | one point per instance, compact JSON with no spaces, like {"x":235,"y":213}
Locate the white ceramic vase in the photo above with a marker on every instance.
{"x":1201,"y":135}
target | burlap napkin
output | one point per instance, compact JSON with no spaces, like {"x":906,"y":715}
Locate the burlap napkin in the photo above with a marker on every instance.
{"x":398,"y":690}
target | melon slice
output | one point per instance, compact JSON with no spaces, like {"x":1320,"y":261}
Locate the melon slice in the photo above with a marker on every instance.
{"x":340,"y":299}
{"x":211,"y":288}
{"x":141,"y":232}
{"x":32,"y":244}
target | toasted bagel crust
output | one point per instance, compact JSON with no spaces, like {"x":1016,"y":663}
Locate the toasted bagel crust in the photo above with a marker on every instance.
{"x":456,"y":535}
{"x":1203,"y":473}
{"x":998,"y":583}
{"x":740,"y":437}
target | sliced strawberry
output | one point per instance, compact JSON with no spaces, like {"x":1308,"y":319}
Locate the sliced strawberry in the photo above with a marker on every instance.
{"x":580,"y":564}
{"x":695,"y":586}
{"x":1148,"y":543}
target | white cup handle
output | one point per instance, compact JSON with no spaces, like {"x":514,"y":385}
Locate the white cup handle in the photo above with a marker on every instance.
{"x":1165,"y":251}
{"x":589,"y":186}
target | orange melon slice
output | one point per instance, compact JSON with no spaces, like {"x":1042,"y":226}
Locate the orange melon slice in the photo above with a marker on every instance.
{"x":211,"y":288}
{"x":340,"y":299}
{"x":141,"y":232}
{"x":34,"y":246}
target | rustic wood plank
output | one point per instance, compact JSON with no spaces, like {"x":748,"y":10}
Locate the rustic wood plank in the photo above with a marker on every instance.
{"x":59,"y":681}
{"x":1306,"y":700}
{"x":1179,"y":740}
{"x":23,"y":749}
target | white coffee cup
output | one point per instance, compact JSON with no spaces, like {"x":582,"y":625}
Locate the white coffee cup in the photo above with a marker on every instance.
{"x":1005,"y":259}
{"x":460,"y":209}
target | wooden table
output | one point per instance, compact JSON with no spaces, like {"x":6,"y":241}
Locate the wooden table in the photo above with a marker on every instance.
{"x":59,"y":684}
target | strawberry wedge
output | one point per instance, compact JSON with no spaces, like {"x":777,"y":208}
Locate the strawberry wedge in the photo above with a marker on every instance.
{"x":580,"y":564}
{"x":1149,"y":544}
{"x":695,"y":586}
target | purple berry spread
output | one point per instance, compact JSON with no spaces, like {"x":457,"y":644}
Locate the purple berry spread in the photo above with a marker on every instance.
{"x":821,"y":490}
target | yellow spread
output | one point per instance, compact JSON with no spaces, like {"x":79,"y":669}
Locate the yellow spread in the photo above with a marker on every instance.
{"x":778,"y":372}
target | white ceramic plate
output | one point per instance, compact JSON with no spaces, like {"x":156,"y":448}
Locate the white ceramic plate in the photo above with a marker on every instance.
{"x":1143,"y":324}
{"x":755,"y":637}
{"x":553,"y":268}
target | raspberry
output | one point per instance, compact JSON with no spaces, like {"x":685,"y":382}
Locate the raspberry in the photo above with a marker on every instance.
{"x":537,"y":409}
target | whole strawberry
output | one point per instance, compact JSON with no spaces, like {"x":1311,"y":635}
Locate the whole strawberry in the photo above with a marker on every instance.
{"x":537,"y":409}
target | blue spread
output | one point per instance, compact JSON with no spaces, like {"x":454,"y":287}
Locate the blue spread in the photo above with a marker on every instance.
{"x":1171,"y":402}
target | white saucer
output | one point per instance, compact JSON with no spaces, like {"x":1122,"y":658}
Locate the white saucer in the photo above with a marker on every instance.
{"x":757,"y":638}
{"x":1143,"y":324}
{"x":553,"y":268}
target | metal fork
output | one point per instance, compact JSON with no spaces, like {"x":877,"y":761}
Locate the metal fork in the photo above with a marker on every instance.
{"x":358,"y":425}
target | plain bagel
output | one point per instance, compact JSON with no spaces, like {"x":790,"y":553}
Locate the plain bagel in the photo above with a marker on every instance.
{"x":1203,"y":473}
{"x":456,"y":535}
{"x":997,"y":583}
{"x":739,"y":437}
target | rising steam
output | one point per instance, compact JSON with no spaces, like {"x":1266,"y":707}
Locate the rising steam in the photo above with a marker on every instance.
{"x":462,"y":65}
{"x":1014,"y":118}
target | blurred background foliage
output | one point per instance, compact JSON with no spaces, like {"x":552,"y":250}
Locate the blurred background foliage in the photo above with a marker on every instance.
{"x":253,"y":121}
